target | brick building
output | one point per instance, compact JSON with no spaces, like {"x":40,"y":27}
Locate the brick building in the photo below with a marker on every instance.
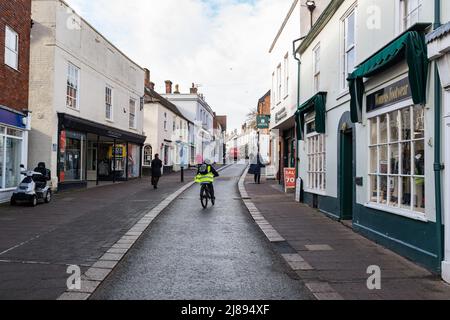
{"x":15,"y":26}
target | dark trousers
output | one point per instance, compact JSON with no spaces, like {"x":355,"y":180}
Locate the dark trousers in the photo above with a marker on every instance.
{"x":258,"y":178}
{"x":155,"y":181}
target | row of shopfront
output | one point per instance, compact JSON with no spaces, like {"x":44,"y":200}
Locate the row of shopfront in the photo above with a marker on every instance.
{"x":89,"y":152}
{"x":373,"y":155}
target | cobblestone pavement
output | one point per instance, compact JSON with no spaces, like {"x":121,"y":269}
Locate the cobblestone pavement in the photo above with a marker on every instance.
{"x":339,"y":257}
{"x":78,"y":227}
{"x":191,"y":253}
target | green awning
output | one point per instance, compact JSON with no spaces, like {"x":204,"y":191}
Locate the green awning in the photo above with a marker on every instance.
{"x":316,"y":103}
{"x":410,"y":46}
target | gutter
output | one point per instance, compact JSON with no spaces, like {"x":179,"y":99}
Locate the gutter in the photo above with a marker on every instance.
{"x":299,"y":62}
{"x":438,"y":167}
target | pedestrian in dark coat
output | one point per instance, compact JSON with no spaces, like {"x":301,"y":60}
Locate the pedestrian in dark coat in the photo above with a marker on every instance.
{"x":156,"y":171}
{"x":255,"y":168}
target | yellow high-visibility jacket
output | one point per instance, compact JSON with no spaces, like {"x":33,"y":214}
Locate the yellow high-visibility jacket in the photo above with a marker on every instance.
{"x":205,"y":178}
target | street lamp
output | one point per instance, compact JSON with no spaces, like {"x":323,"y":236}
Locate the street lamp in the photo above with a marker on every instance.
{"x":311,"y":5}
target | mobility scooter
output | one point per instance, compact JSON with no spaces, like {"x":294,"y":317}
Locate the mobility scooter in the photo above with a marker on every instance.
{"x":34,"y":188}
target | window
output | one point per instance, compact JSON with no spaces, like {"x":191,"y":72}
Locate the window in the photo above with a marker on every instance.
{"x":10,"y":157}
{"x":274,"y":92}
{"x":72,"y":156}
{"x":174,"y":127}
{"x":73,"y":74}
{"x":132,"y":114}
{"x":11,"y":48}
{"x":316,"y":68}
{"x":397,"y":165}
{"x":148,"y":156}
{"x":286,"y":75}
{"x":165,"y":121}
{"x":409,"y":13}
{"x":348,"y":65}
{"x":279,"y":83}
{"x":315,"y":144}
{"x":108,"y":104}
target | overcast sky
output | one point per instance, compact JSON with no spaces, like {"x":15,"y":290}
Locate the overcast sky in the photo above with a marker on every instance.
{"x":221,"y":45}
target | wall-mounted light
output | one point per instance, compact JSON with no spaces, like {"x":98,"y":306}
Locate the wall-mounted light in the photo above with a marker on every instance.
{"x":311,"y":5}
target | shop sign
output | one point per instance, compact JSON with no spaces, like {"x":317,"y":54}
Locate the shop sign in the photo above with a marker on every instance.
{"x":396,"y":92}
{"x":290,"y":181}
{"x":263,"y":121}
{"x":119,"y":151}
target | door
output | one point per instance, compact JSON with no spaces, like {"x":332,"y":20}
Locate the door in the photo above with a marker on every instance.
{"x":92,"y":161}
{"x":346,"y":175}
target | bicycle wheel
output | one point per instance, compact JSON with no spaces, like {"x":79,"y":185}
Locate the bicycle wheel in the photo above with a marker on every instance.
{"x":204,"y":195}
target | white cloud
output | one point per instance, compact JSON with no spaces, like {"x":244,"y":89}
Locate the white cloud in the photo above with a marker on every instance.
{"x":220,"y":44}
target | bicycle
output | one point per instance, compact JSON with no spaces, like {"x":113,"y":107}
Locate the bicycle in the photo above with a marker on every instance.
{"x":205,"y":195}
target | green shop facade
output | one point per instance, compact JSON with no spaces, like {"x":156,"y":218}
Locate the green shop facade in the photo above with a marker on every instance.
{"x":377,"y":151}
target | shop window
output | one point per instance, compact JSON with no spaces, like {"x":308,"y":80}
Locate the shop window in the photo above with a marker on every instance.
{"x":132,"y":114}
{"x":2,"y":158}
{"x":73,"y":82}
{"x":11,"y":48}
{"x":72,"y":145}
{"x":148,"y":156}
{"x":133,"y":160}
{"x":316,"y":154}
{"x":108,"y":104}
{"x":397,"y":159}
{"x":10,"y":157}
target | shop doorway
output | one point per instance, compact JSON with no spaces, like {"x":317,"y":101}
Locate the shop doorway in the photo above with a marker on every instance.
{"x":346,"y":173}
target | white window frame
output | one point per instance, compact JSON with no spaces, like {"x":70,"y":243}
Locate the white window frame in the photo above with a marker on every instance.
{"x":274,"y":94}
{"x":111,"y":103}
{"x":14,"y":51}
{"x":132,"y":116}
{"x":398,"y":210}
{"x":405,"y":13}
{"x":286,"y":75}
{"x":279,"y":84}
{"x":317,"y":162}
{"x":316,"y":68}
{"x":5,"y":136}
{"x":72,"y":71}
{"x":145,"y":155}
{"x":346,"y":49}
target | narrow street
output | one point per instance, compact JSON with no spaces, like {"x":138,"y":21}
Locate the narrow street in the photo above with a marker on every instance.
{"x":191,"y":253}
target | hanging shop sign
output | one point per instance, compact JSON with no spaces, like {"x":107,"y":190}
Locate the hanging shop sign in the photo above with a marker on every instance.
{"x":290,"y":181}
{"x":263,"y":121}
{"x":396,"y":92}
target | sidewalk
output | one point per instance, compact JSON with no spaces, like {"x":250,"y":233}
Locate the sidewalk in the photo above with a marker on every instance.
{"x":336,"y":256}
{"x":77,"y":228}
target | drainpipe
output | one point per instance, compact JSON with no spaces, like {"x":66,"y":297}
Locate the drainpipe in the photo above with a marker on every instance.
{"x":437,"y":150}
{"x":299,"y":62}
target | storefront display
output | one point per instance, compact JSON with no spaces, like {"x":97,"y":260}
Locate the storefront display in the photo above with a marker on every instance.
{"x":397,"y":165}
{"x":10,"y":157}
{"x":133,"y":160}
{"x":72,"y":156}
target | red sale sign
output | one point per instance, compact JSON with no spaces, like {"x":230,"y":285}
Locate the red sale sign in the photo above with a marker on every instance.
{"x":289,"y":178}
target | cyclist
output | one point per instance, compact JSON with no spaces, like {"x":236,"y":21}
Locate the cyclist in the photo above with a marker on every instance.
{"x":205,"y":175}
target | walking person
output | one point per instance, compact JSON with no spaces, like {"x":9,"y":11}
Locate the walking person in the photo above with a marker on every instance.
{"x":255,"y":167}
{"x":156,"y":171}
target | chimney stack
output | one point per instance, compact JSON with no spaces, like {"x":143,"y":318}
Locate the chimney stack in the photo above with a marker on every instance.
{"x":177,"y":89}
{"x":193,"y":90}
{"x":168,"y":87}
{"x":147,"y":78}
